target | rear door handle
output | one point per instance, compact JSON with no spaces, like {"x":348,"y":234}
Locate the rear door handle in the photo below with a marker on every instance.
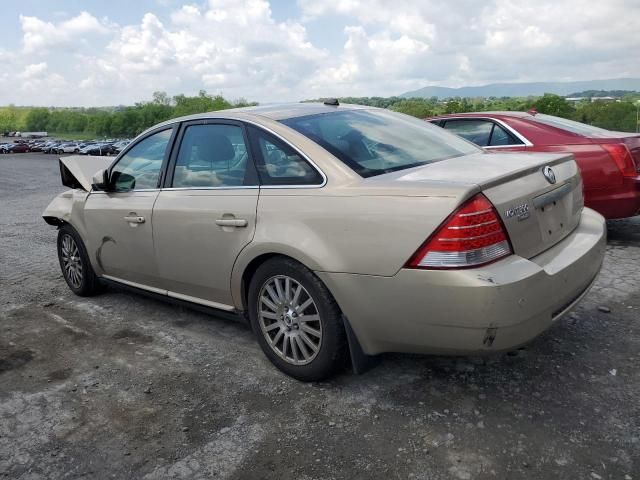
{"x":134,"y":219}
{"x":231,"y":222}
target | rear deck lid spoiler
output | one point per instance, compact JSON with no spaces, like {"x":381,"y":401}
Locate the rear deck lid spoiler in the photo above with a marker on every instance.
{"x":77,"y":171}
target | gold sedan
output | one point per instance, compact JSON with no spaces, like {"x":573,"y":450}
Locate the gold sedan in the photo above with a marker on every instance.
{"x":336,"y":230}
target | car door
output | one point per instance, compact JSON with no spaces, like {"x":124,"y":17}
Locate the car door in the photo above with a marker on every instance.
{"x":119,"y":222}
{"x":206,"y":212}
{"x":485,"y":133}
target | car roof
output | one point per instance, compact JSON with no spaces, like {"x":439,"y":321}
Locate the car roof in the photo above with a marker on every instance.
{"x":497,"y":113}
{"x":280,"y":111}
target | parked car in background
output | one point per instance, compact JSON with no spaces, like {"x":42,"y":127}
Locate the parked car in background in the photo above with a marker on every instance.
{"x":50,"y":147}
{"x":333,"y":228}
{"x":17,"y":148}
{"x":68,"y":148}
{"x":119,"y":146}
{"x":98,"y":149}
{"x":36,"y":147}
{"x":609,"y":161}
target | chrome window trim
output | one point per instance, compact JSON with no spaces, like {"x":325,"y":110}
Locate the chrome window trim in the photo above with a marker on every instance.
{"x":302,"y":154}
{"x":239,"y":187}
{"x":126,"y":191}
{"x":279,"y":137}
{"x":510,"y":129}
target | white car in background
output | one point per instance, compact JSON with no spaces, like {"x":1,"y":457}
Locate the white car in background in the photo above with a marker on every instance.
{"x":68,"y":148}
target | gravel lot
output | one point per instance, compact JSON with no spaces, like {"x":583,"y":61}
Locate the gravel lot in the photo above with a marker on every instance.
{"x":122,"y":386}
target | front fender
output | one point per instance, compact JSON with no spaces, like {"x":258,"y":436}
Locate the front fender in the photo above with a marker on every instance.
{"x":68,"y":208}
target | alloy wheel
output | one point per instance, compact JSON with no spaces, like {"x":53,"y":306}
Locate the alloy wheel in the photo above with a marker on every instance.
{"x":71,"y":261}
{"x":289,"y":320}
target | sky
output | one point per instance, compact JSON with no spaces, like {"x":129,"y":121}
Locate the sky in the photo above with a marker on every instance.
{"x":116,"y":52}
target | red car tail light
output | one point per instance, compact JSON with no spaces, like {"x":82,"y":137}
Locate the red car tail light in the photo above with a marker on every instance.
{"x":622,"y":156}
{"x":472,"y":236}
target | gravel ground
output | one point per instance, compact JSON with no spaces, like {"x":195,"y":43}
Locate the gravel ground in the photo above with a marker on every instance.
{"x":123,"y":386}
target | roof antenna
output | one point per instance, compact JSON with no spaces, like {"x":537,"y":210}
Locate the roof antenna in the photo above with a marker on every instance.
{"x":532,"y":111}
{"x":332,"y":101}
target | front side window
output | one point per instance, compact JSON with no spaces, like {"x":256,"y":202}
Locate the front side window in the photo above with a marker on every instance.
{"x":374,"y":142}
{"x":211,"y":155}
{"x":278,"y":163}
{"x":140,"y":167}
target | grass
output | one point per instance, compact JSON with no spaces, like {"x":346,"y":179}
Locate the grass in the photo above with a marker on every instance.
{"x":73,"y":136}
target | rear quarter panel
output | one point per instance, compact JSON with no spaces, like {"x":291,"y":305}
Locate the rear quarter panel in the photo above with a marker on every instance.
{"x":367,"y":235}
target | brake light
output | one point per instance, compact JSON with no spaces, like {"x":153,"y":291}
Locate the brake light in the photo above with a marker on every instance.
{"x":472,"y":236}
{"x":622,"y":156}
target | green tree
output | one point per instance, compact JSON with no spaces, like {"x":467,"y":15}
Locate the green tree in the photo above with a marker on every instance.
{"x":37,"y":119}
{"x":416,"y":107}
{"x":554,"y":105}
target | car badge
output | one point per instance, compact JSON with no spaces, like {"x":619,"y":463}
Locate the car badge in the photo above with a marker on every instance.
{"x":549,"y":175}
{"x":520,"y":211}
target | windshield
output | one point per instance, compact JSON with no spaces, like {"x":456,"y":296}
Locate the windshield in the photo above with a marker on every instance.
{"x":569,"y":125}
{"x":373,"y":142}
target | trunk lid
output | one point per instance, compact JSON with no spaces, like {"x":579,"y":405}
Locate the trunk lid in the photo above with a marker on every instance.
{"x":77,"y":171}
{"x":536,"y":212}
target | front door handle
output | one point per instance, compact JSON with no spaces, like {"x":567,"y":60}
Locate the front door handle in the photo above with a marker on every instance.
{"x":231,"y":222}
{"x":134,"y":219}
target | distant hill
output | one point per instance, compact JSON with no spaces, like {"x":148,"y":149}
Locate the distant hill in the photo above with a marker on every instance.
{"x":525,"y":89}
{"x":603,"y":93}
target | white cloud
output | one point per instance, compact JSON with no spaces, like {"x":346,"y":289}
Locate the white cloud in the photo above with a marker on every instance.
{"x":35,"y":70}
{"x":39,"y":35}
{"x":238,"y":48}
{"x":235,"y":47}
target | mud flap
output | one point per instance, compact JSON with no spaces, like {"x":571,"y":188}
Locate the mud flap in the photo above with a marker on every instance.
{"x":360,"y":361}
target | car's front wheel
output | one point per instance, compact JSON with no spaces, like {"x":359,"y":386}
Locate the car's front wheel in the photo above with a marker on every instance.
{"x":74,"y":263}
{"x":296,"y":319}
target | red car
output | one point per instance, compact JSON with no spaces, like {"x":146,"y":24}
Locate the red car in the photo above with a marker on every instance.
{"x":609,"y":161}
{"x":19,"y":148}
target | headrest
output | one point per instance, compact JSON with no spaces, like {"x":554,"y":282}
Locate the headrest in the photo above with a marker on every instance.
{"x":214,"y":147}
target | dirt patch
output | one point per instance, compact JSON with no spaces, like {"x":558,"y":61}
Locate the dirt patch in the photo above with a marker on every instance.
{"x":61,"y":374}
{"x":15,"y":360}
{"x":133,"y":336}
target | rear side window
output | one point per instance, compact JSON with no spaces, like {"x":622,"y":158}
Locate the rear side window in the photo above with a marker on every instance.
{"x":499,"y":136}
{"x":211,"y":155}
{"x":476,"y":131}
{"x":278,"y":163}
{"x":484,"y":133}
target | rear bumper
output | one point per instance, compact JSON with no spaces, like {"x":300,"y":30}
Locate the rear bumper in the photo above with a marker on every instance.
{"x":496,"y":307}
{"x":619,"y":202}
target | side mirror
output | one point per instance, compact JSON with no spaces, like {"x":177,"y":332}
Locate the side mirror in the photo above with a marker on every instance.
{"x":100,"y":180}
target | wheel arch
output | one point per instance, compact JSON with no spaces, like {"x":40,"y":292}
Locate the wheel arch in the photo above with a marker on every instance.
{"x":247,"y":264}
{"x":360,"y":361}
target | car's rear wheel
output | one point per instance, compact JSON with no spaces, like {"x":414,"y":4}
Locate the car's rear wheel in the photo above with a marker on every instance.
{"x":74,"y":263}
{"x":297,"y":321}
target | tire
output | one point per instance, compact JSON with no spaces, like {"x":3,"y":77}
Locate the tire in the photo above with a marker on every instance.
{"x":74,"y":263}
{"x":316,"y":348}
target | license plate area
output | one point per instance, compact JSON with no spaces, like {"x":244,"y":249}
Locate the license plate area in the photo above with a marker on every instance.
{"x":553,"y":210}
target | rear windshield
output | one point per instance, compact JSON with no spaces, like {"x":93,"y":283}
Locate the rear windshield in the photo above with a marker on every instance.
{"x":569,"y":125}
{"x":373,"y":142}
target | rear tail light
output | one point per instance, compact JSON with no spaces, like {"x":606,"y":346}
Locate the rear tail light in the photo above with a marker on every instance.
{"x":472,"y":236}
{"x":622,"y":156}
